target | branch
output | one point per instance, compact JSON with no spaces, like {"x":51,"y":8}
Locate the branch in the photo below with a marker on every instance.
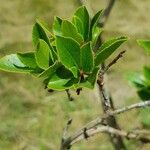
{"x":92,"y":127}
{"x":65,"y":141}
{"x":69,"y":95}
{"x":107,"y":129}
{"x":133,"y":106}
{"x":114,"y":61}
{"x":106,"y":13}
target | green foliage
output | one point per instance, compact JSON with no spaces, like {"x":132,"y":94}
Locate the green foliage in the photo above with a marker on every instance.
{"x":69,"y":30}
{"x":142,"y":81}
{"x":69,"y":53}
{"x":107,"y":49}
{"x":12,"y":63}
{"x":87,"y":60}
{"x":64,"y":58}
{"x":145,"y":44}
{"x":83,"y":15}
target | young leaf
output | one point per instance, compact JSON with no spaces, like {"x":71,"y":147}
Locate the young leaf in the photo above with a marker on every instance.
{"x":50,"y":71}
{"x":94,"y":22}
{"x":137,"y":80}
{"x":45,"y":26}
{"x":78,"y":24}
{"x":95,"y":34}
{"x":42,"y":55}
{"x":107,"y":49}
{"x":145,"y":44}
{"x":83,"y":15}
{"x":68,"y":52}
{"x":57,"y":26}
{"x":69,"y":30}
{"x":87,"y":60}
{"x":39,"y":33}
{"x":12,"y":63}
{"x":61,"y":80}
{"x":28,"y":59}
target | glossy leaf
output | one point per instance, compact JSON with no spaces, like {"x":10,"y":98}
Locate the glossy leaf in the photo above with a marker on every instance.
{"x":68,"y":52}
{"x":39,"y":33}
{"x":57,"y":26}
{"x":87,"y":60}
{"x":12,"y":63}
{"x":69,"y":30}
{"x":95,"y":34}
{"x":107,"y":49}
{"x":61,"y":80}
{"x":78,"y":24}
{"x":145,"y":44}
{"x":45,"y":26}
{"x":94,"y":23}
{"x":83,"y":15}
{"x":28,"y":59}
{"x":42,"y":55}
{"x":50,"y":71}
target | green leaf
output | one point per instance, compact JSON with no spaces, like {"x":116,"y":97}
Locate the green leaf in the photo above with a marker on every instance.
{"x":61,"y":80}
{"x":42,"y":55}
{"x":136,"y":79}
{"x":39,"y":33}
{"x":107,"y":49}
{"x":147,"y":74}
{"x":144,"y":94}
{"x":87,"y":60}
{"x":28,"y":59}
{"x":95,"y":34}
{"x":45,"y":26}
{"x":78,"y":24}
{"x":57,"y":26}
{"x":90,"y":81}
{"x":94,"y":23}
{"x":83,"y":15}
{"x":69,"y":30}
{"x":50,"y":71}
{"x":68,"y":52}
{"x":75,"y":71}
{"x":12,"y":63}
{"x":145,"y":44}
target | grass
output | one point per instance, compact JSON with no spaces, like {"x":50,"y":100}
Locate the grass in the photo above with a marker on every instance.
{"x":33,"y":119}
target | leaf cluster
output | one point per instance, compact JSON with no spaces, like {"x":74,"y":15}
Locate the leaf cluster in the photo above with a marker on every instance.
{"x":64,"y":57}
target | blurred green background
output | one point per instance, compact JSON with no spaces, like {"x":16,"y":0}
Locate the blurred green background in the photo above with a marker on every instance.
{"x":33,"y":119}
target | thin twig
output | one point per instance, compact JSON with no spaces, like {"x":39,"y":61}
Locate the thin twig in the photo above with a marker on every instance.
{"x":93,"y":125}
{"x":133,"y":106}
{"x":69,"y":95}
{"x":64,"y":142}
{"x":107,"y":102}
{"x":110,"y":130}
{"x":106,"y":13}
{"x":114,"y":61}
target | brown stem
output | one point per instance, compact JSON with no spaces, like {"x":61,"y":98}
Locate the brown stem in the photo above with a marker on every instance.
{"x":99,"y":125}
{"x":70,"y":98}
